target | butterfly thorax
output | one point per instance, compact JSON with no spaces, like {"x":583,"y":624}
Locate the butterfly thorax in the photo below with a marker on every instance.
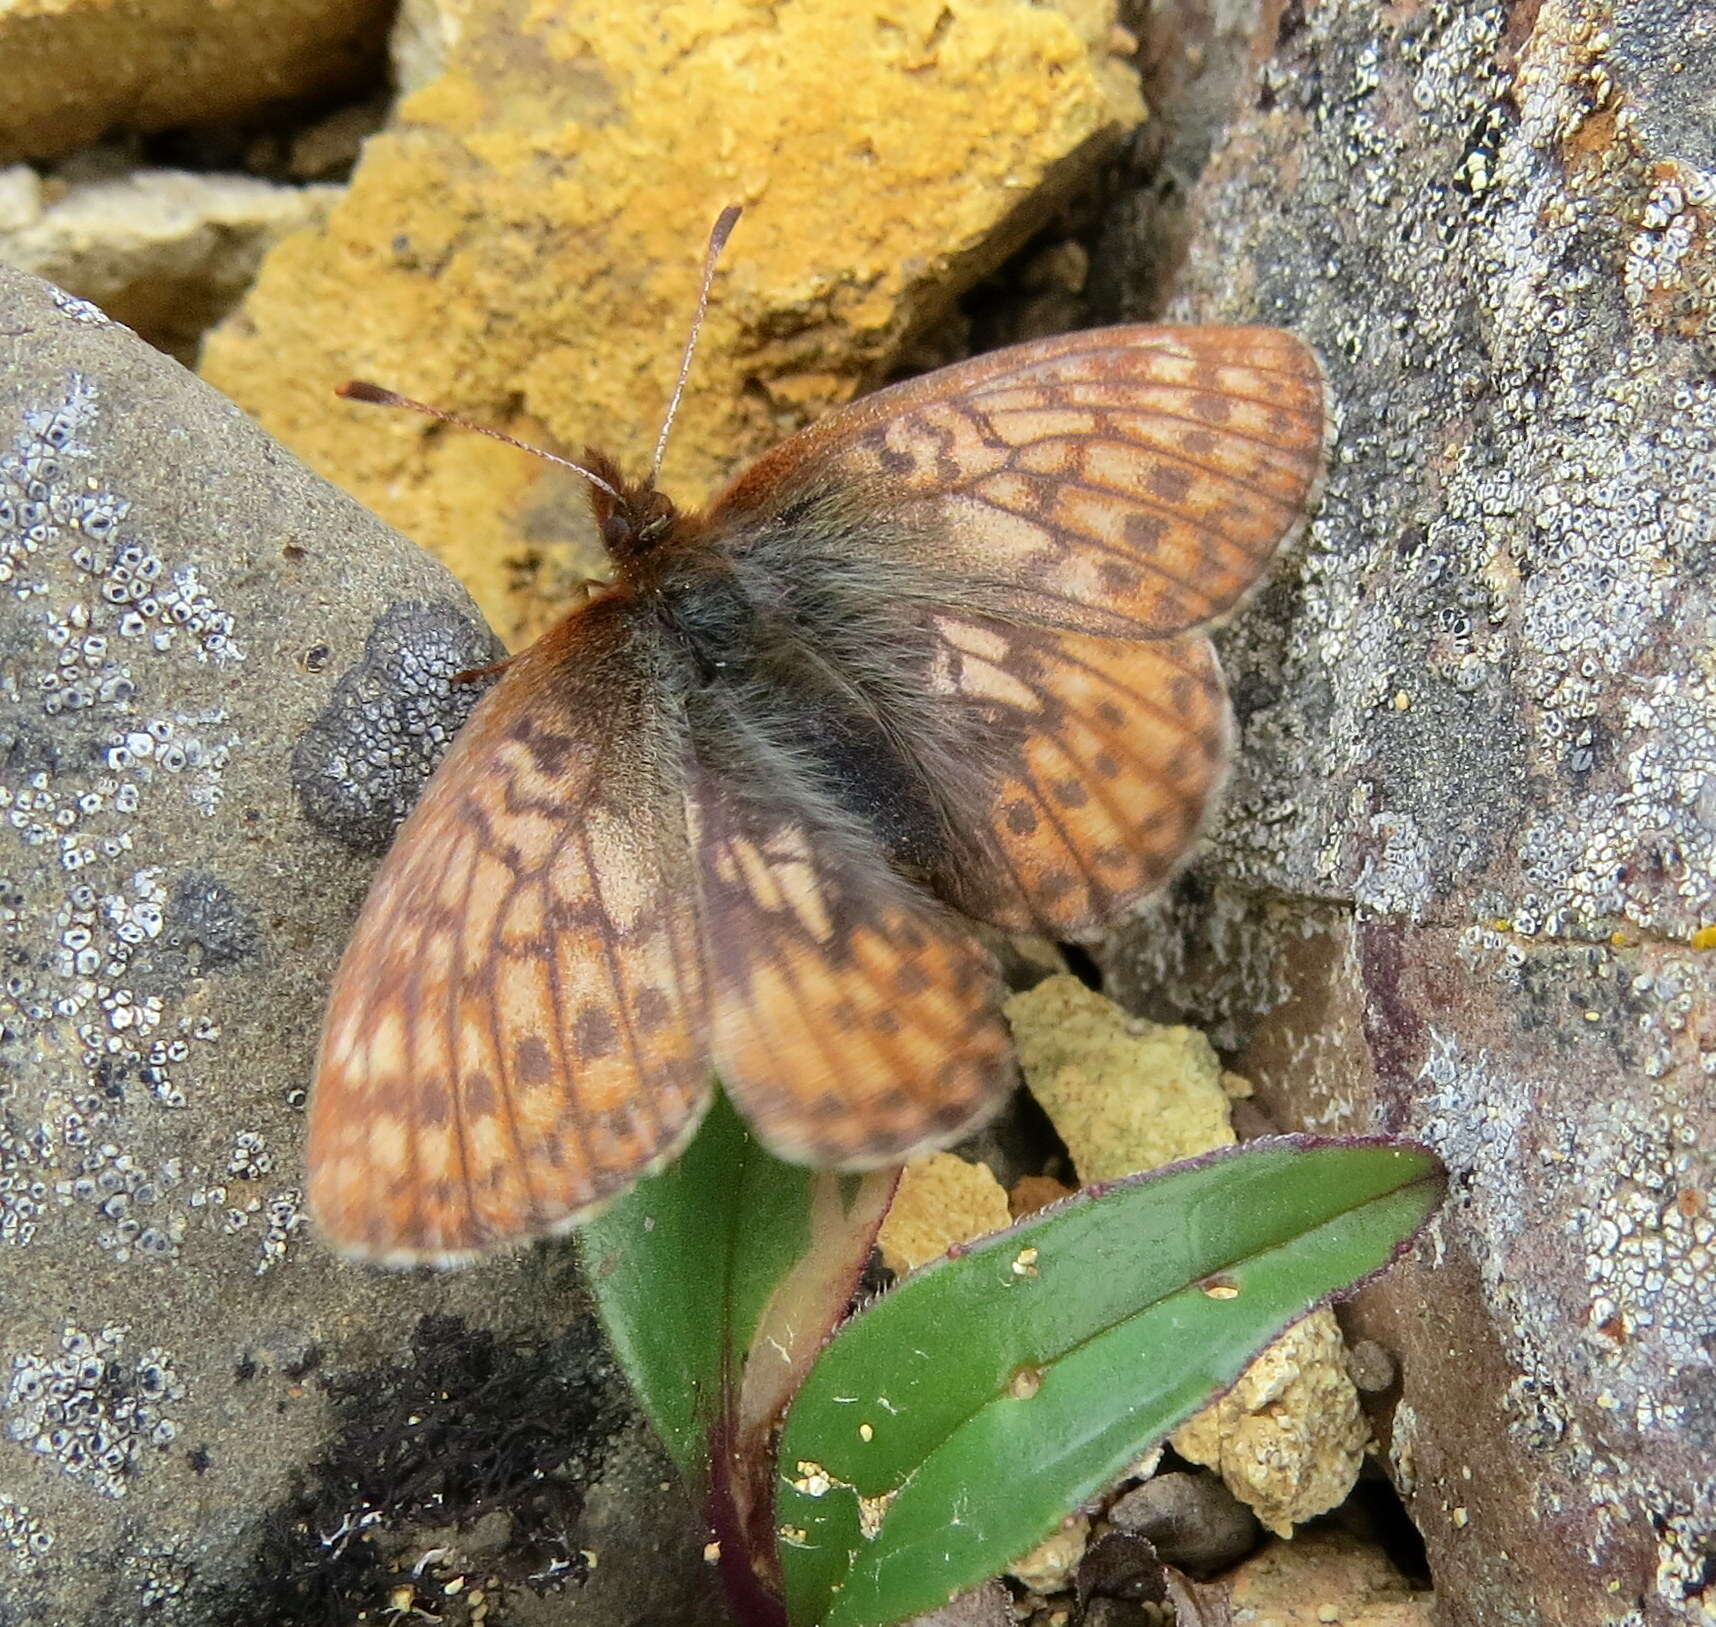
{"x":795,"y":668}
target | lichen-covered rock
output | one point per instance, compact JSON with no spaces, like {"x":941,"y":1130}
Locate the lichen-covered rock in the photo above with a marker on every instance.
{"x":522,"y":244}
{"x":80,"y":70}
{"x":1469,"y":853}
{"x":220,"y":680}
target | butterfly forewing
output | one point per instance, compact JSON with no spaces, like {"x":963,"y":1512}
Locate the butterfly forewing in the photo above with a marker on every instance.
{"x":1132,"y":482}
{"x":1103,"y":755}
{"x":518,"y":1028}
{"x":855,"y":1021}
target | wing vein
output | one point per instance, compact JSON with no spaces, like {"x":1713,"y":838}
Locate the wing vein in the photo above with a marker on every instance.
{"x":640,"y":1102}
{"x":563,"y":1060}
{"x":1290,"y":462}
{"x":505,"y":1066}
{"x":1127,"y":556}
{"x":1136,"y":699}
{"x":455,"y":1067}
{"x":1045,"y":373}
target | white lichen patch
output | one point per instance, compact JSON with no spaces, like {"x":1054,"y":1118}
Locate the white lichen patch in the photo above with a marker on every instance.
{"x":1646,"y":1241}
{"x":27,"y":1540}
{"x":90,"y":758}
{"x":92,"y":1409}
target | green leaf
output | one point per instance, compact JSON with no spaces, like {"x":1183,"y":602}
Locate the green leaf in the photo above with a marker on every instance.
{"x":950,"y":1426}
{"x":721,"y":1277}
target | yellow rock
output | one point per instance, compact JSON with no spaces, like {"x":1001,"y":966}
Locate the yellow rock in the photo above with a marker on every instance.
{"x":163,"y":251}
{"x":942,"y":1200}
{"x":1128,"y":1095}
{"x":1326,"y":1579}
{"x":1123,"y":1093}
{"x":522,"y":244}
{"x":1049,"y":1566}
{"x":80,"y":69}
{"x":1289,"y":1438}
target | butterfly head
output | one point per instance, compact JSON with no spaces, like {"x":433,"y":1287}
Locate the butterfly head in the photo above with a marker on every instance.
{"x":633,"y":517}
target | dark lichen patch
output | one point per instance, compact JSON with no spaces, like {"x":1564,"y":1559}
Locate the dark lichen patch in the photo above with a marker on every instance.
{"x":359,"y":767}
{"x":27,"y":748}
{"x":206,"y":927}
{"x":475,"y":1452}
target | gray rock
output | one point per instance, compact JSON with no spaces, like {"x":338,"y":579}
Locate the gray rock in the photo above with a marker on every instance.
{"x":220,"y":681}
{"x":988,"y":1606}
{"x":1192,"y":1520}
{"x":1461,"y":880}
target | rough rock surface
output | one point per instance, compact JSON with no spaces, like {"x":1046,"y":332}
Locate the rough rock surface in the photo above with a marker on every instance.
{"x":940,"y":1201}
{"x":166,"y":252}
{"x":522,"y":244}
{"x":80,"y":70}
{"x":215,"y":678}
{"x":1465,"y":878}
{"x":1123,"y":1094}
{"x":1325,"y":1577}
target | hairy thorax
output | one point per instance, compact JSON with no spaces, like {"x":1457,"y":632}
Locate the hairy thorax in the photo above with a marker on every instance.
{"x":794,"y":668}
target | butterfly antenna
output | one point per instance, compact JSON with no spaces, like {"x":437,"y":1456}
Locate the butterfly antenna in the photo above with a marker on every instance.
{"x":718,"y":235}
{"x":376,"y":395}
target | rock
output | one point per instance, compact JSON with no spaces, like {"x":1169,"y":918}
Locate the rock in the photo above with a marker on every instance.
{"x":1123,"y":1094}
{"x":1050,"y":1566}
{"x":523,"y":245}
{"x":1033,"y":1192}
{"x":83,"y":69}
{"x":941,"y":1200}
{"x":986,"y":1606}
{"x":1326,"y":1579}
{"x":1373,"y":1367}
{"x":1289,"y":1438}
{"x":205,"y":1419}
{"x":1119,"y":1613}
{"x":1462,"y":880}
{"x":1192,"y":1520}
{"x":1126,"y":1094}
{"x":166,"y":252}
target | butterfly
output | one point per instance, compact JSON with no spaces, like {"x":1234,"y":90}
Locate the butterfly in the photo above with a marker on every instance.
{"x":939,"y":659}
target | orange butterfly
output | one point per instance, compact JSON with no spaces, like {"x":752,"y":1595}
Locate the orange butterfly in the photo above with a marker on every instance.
{"x":937,"y":659}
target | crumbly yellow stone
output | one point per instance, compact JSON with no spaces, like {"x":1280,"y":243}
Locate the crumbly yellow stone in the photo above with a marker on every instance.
{"x":1326,"y":1579}
{"x":942,"y":1200}
{"x":1126,"y":1095}
{"x":79,"y":70}
{"x":523,"y":245}
{"x":1289,"y":1438}
{"x":1051,"y":1565}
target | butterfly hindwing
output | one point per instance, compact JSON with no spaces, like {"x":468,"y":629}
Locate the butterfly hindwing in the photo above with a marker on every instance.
{"x":1102,"y":757}
{"x":854,"y":1020}
{"x":1130,"y":481}
{"x":518,"y":1027}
